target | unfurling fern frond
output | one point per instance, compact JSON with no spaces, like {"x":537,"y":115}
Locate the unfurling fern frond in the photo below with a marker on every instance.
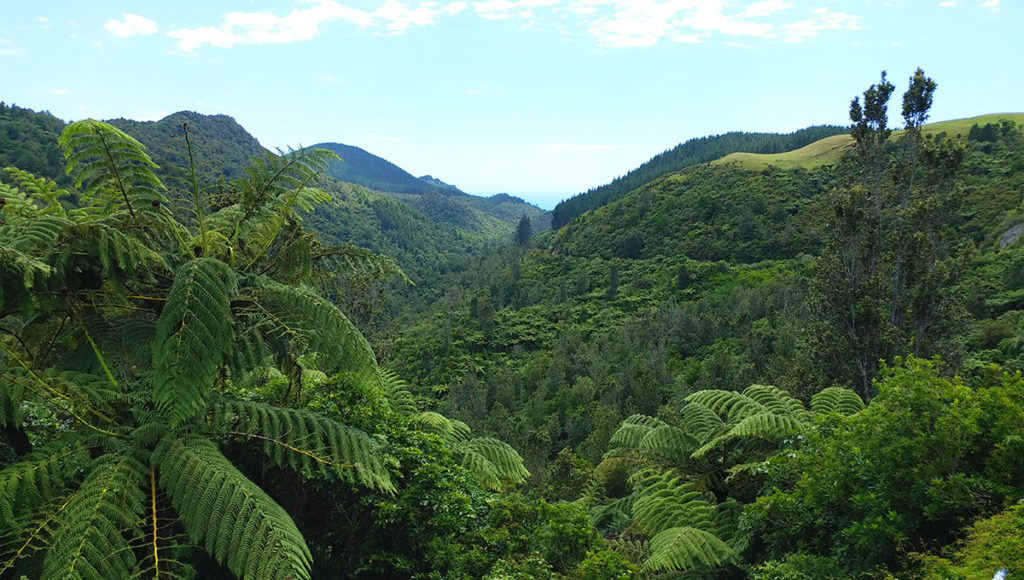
{"x":683,"y":548}
{"x":193,"y":334}
{"x":836,"y":400}
{"x":294,"y":321}
{"x":110,"y":165}
{"x":304,"y":441}
{"x":236,"y":521}
{"x":98,"y":525}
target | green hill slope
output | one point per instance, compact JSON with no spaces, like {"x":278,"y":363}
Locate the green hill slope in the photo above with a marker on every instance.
{"x":692,"y":152}
{"x":364,"y":168}
{"x":828,"y":151}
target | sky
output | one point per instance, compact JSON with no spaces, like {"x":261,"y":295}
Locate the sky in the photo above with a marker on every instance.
{"x":542,"y":99}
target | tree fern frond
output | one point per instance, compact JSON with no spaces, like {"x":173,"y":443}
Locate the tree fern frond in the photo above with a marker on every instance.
{"x":38,"y":478}
{"x":775,"y":400}
{"x":399,"y":397}
{"x":668,"y":443}
{"x":764,"y":426}
{"x":433,"y":422}
{"x":235,"y":520}
{"x":700,"y":420}
{"x":304,"y":440}
{"x":836,"y":400}
{"x":729,"y":405}
{"x":192,"y":335}
{"x":508,"y":465}
{"x":683,"y":548}
{"x":94,"y":532}
{"x":615,"y":516}
{"x":110,"y":165}
{"x":39,"y":189}
{"x":348,"y":260}
{"x":669,"y":502}
{"x":299,"y":321}
{"x":633,"y":430}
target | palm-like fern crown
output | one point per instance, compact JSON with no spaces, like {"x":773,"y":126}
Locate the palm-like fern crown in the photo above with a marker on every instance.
{"x":686,"y":474}
{"x":218,"y":290}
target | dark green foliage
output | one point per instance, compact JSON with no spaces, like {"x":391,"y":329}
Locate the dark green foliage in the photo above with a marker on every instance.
{"x":921,"y":461}
{"x":28,"y":140}
{"x":693,"y":152}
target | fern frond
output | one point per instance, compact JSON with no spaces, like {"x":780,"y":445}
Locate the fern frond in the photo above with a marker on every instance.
{"x":669,"y":502}
{"x":775,"y":400}
{"x":836,"y":400}
{"x":729,"y":405}
{"x":235,"y":520}
{"x":668,"y":444}
{"x":38,"y":478}
{"x":350,"y":261}
{"x":683,"y":548}
{"x":764,"y":426}
{"x":193,"y":333}
{"x":497,"y":463}
{"x":39,"y":189}
{"x":399,"y":397}
{"x":633,"y":430}
{"x":613,"y":517}
{"x":95,"y":531}
{"x":297,"y":321}
{"x":111,"y":166}
{"x":700,"y":420}
{"x":306,"y":441}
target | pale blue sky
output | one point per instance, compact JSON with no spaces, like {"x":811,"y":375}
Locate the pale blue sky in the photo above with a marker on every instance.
{"x":537,"y":98}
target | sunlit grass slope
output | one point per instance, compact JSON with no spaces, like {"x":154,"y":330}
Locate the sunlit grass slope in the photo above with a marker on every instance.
{"x":830,"y":149}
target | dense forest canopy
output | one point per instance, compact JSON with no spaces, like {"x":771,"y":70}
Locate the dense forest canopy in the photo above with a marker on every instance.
{"x":217,"y":362}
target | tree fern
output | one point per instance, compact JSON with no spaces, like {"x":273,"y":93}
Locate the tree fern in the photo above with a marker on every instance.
{"x":304,"y":440}
{"x":38,"y":478}
{"x":730,"y":405}
{"x":495,"y":463}
{"x":291,"y":319}
{"x":110,"y":165}
{"x":682,"y":548}
{"x":836,"y":400}
{"x":96,"y":530}
{"x":192,"y":335}
{"x":236,"y":522}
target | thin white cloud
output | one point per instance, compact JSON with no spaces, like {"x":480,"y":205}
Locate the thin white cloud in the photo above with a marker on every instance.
{"x":59,"y":91}
{"x":7,"y":48}
{"x":330,"y":79}
{"x":301,"y":24}
{"x":990,"y":4}
{"x":822,"y":19}
{"x":947,"y":4}
{"x":131,"y":25}
{"x":611,"y":23}
{"x":766,"y":8}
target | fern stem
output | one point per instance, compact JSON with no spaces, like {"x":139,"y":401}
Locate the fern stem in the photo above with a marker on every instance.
{"x":280,"y":221}
{"x":308,"y":454}
{"x":17,"y":555}
{"x":195,"y":190}
{"x":152,"y":503}
{"x":117,"y":174}
{"x":55,"y":396}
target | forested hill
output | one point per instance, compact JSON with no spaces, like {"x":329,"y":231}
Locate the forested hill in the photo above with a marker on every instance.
{"x":692,"y":152}
{"x":364,"y":168}
{"x":28,"y":140}
{"x":223,"y":145}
